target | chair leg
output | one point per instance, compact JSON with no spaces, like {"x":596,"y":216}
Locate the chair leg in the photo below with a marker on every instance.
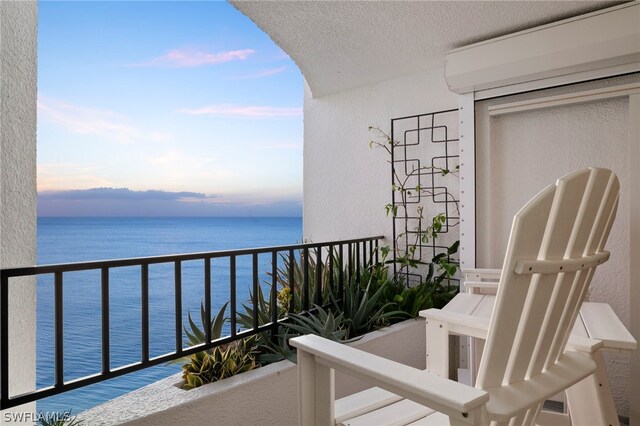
{"x":316,"y":391}
{"x":531,"y":415}
{"x":590,"y":401}
{"x":437,"y":347}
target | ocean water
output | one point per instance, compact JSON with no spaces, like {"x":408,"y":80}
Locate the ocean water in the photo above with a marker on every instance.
{"x":64,"y":240}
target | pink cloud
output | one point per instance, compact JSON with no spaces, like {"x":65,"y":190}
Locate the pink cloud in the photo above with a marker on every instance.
{"x":79,"y":119}
{"x":90,"y":121}
{"x":186,"y":58}
{"x":287,"y":146}
{"x":62,"y":176}
{"x":260,"y":74}
{"x":245,"y":111}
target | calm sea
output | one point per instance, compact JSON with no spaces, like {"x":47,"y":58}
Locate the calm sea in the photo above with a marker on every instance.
{"x":63,"y":240}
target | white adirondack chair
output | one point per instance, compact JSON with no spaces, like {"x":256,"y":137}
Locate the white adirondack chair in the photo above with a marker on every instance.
{"x":589,"y":402}
{"x":557,"y":240}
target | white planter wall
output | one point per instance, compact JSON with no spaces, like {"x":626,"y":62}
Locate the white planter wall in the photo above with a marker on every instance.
{"x":266,"y":396}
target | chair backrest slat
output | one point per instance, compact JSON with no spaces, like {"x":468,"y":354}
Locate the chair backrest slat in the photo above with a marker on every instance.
{"x":505,"y":319}
{"x":599,"y":232}
{"x":599,"y":181}
{"x":544,"y":305}
{"x":569,"y":285}
{"x":534,"y":312}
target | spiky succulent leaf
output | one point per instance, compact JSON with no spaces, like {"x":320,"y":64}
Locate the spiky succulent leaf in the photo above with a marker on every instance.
{"x":320,"y":322}
{"x":219,"y":363}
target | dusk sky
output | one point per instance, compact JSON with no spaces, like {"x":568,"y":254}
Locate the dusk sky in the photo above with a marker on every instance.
{"x":165,"y":109}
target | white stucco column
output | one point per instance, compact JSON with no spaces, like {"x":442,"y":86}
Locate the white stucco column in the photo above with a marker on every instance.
{"x":18,"y":65}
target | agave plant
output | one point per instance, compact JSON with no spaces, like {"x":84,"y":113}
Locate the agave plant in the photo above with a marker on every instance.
{"x":317,"y":321}
{"x":359,"y":305}
{"x":264,"y":310}
{"x":292,"y":295}
{"x":320,"y":322}
{"x":219,"y":363}
{"x":196,"y":335}
{"x":277,"y":348}
{"x":59,"y":419}
{"x":265,"y":340}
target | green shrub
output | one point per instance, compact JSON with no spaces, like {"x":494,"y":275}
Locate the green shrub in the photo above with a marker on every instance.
{"x":434,"y":291}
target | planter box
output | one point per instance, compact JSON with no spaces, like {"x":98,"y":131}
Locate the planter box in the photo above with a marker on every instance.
{"x":264,"y":396}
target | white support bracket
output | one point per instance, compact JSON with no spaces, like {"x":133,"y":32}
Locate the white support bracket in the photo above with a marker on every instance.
{"x":467,"y":207}
{"x":467,"y":182}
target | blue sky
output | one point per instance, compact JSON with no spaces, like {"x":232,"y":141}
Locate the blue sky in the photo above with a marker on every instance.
{"x":163,"y":109}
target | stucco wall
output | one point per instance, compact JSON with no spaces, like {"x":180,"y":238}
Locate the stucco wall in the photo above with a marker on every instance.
{"x":18,"y":38}
{"x":347,"y":184}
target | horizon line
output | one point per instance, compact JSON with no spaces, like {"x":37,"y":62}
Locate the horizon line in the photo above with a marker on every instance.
{"x":168,"y":217}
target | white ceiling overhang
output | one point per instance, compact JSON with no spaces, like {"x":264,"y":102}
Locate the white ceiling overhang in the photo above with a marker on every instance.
{"x":340,"y":45}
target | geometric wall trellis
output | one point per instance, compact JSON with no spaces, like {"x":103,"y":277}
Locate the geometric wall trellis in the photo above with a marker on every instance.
{"x":424,"y":166}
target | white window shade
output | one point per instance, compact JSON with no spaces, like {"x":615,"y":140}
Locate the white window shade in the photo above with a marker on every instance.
{"x":593,"y":45}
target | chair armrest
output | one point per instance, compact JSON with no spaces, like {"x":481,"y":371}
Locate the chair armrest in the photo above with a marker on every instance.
{"x":461,"y":402}
{"x":480,"y":273}
{"x":473,"y":326}
{"x":481,"y":279}
{"x":473,"y":279}
{"x":601,"y":322}
{"x":463,"y":324}
{"x":584,"y":344}
{"x":487,"y":285}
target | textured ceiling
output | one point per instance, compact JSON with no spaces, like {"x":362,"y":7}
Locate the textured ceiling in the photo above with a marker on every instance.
{"x":339,"y":45}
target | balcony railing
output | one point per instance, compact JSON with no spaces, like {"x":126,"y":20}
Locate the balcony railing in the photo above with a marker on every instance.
{"x":359,"y":253}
